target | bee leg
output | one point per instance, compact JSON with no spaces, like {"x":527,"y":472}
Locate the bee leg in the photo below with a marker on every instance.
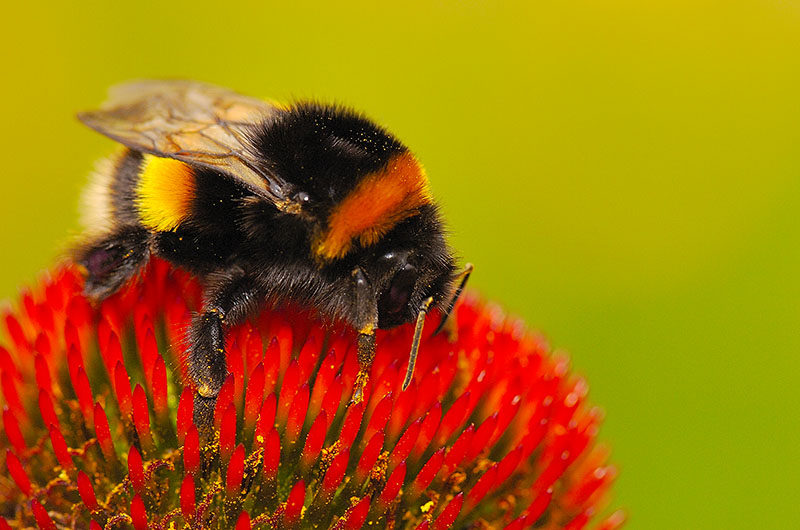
{"x":111,"y":261}
{"x":230,"y":297}
{"x":366,"y":324}
{"x":446,"y":323}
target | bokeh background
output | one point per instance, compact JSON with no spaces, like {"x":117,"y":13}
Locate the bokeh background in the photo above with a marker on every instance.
{"x":623,"y":174}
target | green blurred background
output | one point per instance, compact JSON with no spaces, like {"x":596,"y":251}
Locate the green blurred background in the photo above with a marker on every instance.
{"x":623,"y":174}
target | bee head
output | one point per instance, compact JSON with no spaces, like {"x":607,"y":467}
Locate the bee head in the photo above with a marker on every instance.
{"x":409,"y":265}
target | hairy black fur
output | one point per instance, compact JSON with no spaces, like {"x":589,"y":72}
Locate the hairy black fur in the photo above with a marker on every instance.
{"x":123,"y":187}
{"x":323,"y":151}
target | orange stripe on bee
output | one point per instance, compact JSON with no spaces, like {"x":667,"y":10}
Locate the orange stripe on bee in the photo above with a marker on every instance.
{"x":380,"y":201}
{"x":164,"y":193}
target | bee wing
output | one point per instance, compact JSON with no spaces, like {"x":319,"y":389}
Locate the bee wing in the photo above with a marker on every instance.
{"x":193,"y":122}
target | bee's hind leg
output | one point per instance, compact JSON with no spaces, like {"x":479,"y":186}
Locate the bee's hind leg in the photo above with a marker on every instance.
{"x":112,"y":260}
{"x":231,"y":296}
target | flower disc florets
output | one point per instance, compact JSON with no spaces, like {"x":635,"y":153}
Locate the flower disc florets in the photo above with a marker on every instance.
{"x":493,"y":431}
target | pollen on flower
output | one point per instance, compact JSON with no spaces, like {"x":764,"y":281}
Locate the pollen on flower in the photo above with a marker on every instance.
{"x":98,"y":431}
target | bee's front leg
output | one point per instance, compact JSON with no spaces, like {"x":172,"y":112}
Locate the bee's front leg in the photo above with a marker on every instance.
{"x":230,"y":297}
{"x":366,"y":322}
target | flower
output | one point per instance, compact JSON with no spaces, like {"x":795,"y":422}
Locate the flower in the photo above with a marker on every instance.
{"x":494,"y":432}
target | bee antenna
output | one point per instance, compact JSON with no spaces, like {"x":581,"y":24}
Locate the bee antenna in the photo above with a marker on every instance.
{"x":412,"y":358}
{"x":461,"y":278}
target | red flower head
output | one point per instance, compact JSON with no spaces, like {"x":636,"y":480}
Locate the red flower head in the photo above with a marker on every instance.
{"x":493,"y":431}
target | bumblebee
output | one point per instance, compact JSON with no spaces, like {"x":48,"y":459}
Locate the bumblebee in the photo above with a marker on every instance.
{"x":266,"y":203}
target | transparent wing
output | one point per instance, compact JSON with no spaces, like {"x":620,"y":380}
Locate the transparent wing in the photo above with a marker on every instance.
{"x":192,"y":122}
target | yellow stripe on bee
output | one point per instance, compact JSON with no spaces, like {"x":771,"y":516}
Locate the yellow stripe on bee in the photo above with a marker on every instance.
{"x":379,"y":201}
{"x":164,"y":193}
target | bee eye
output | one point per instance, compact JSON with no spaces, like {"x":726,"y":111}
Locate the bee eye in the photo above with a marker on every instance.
{"x":395,"y":297}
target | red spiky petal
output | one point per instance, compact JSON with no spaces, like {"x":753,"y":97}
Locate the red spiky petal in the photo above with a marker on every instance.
{"x":428,"y":430}
{"x":481,"y":488}
{"x":324,"y":377}
{"x":159,"y":385}
{"x":227,"y":433}
{"x":458,"y":451}
{"x":84,"y":393}
{"x":149,"y":352}
{"x":254,"y":350}
{"x":233,"y":480}
{"x":352,"y":423}
{"x":403,"y":447}
{"x":224,"y":400}
{"x":539,"y":504}
{"x":358,"y":514}
{"x":113,"y":356}
{"x":453,"y":419}
{"x":393,"y":484}
{"x":380,"y":416}
{"x":47,"y":410}
{"x":517,"y":524}
{"x":74,"y":359}
{"x":11,"y":394}
{"x":86,"y":491}
{"x":333,"y":397}
{"x":289,"y":388}
{"x":253,"y":396}
{"x":43,"y":344}
{"x":43,"y":379}
{"x":243,"y":522}
{"x":138,"y":513}
{"x":272,"y":454}
{"x":508,"y":464}
{"x":188,"y":505}
{"x":272,"y":359}
{"x":12,"y":430}
{"x":402,"y":410}
{"x":43,"y":519}
{"x":122,"y":386}
{"x":136,"y":469}
{"x":60,"y":448}
{"x":482,"y":435}
{"x":191,"y":451}
{"x":265,"y":421}
{"x":103,"y":433}
{"x":17,"y":472}
{"x":16,"y":333}
{"x":7,"y":365}
{"x":141,"y":419}
{"x":185,"y":412}
{"x":335,"y":472}
{"x":429,"y":471}
{"x":370,"y":455}
{"x":294,"y":504}
{"x":314,"y":440}
{"x":449,"y":514}
{"x":235,"y":364}
{"x":297,"y":415}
